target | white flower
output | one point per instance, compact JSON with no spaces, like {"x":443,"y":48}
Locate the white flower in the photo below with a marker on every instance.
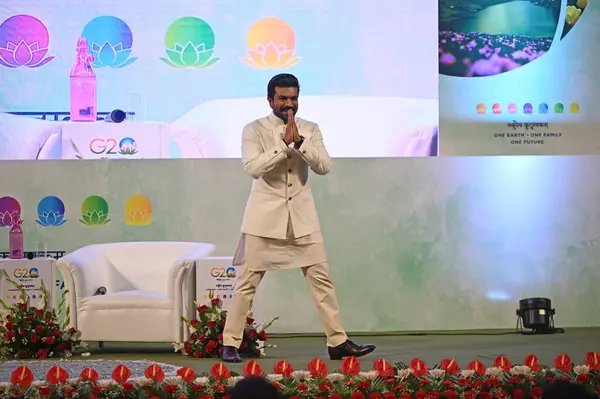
{"x":301,"y":375}
{"x":105,"y":383}
{"x":73,"y":381}
{"x":520,"y":370}
{"x":143,"y":381}
{"x":202,"y":381}
{"x":437,"y":373}
{"x":86,"y":354}
{"x":335,"y":377}
{"x":177,"y":346}
{"x":4,"y":385}
{"x":368,"y":375}
{"x":494,"y":371}
{"x":36,"y":384}
{"x":274,"y":377}
{"x":404,"y":373}
{"x":467,"y":373}
{"x":581,"y":369}
{"x":231,"y":381}
{"x":173,"y":380}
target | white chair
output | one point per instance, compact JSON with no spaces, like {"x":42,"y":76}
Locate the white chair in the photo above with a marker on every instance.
{"x":149,"y":286}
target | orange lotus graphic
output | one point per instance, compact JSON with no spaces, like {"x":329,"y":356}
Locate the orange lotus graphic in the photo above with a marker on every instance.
{"x":271,"y":43}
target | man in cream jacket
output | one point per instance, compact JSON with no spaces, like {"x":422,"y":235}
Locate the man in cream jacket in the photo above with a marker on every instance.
{"x":281,"y":227}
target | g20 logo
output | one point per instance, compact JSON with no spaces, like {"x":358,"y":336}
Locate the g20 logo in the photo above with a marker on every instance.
{"x":26,"y":273}
{"x":222,"y":272}
{"x":110,"y":146}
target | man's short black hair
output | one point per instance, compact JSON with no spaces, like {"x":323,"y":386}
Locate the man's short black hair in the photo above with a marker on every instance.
{"x":282,"y":80}
{"x":254,"y":388}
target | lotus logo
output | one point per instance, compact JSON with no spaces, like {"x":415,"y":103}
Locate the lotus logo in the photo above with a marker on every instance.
{"x":51,"y":212}
{"x":190,"y":42}
{"x":138,"y":211}
{"x":23,"y":42}
{"x":110,"y":41}
{"x":127,"y":146}
{"x":94,"y":211}
{"x":9,"y":209}
{"x":271,"y":43}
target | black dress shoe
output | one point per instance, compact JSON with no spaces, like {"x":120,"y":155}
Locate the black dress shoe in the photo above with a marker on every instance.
{"x":230,"y":355}
{"x":349,"y":348}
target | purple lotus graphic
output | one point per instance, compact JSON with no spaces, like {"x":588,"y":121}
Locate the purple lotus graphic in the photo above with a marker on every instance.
{"x":23,"y":42}
{"x":9,"y":208}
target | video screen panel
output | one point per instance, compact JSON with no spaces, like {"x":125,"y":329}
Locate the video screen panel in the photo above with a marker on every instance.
{"x":189,"y":76}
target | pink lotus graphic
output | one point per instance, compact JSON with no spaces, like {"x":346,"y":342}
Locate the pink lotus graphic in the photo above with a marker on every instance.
{"x":23,"y":42}
{"x":9,"y":209}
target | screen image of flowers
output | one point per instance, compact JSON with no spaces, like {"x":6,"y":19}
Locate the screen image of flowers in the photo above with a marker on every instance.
{"x":575,"y":9}
{"x":490,"y":37}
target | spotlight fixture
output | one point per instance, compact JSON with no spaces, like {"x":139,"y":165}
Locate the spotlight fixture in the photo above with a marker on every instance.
{"x":537,"y":315}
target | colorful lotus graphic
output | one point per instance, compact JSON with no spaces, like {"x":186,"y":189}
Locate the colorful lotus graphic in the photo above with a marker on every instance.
{"x":110,"y":41}
{"x":9,"y":209}
{"x":190,"y":42}
{"x":127,"y":146}
{"x":94,"y":211}
{"x":271,"y":43}
{"x":51,"y":212}
{"x":23,"y":42}
{"x":138,"y":211}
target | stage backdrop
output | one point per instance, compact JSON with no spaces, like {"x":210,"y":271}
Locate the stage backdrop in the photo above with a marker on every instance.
{"x":519,"y":77}
{"x":414,"y":244}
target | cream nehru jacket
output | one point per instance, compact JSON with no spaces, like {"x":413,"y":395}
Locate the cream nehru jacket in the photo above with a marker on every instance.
{"x":280,"y":190}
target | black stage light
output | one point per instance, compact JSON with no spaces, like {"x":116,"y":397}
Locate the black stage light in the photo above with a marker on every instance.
{"x":537,"y":315}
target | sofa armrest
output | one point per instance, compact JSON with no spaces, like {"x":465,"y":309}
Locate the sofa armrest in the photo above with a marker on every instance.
{"x":88,"y":268}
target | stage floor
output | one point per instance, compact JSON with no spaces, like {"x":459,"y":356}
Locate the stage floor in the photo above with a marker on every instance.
{"x":432,"y":348}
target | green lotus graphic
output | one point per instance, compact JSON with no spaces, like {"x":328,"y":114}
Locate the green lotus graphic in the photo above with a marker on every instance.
{"x":190,"y":42}
{"x":559,"y":108}
{"x":94,"y":211}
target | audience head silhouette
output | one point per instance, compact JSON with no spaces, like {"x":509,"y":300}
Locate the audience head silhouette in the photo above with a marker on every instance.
{"x":254,"y":388}
{"x":568,"y":390}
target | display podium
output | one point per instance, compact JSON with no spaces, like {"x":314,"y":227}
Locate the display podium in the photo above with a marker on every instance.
{"x":29,"y":274}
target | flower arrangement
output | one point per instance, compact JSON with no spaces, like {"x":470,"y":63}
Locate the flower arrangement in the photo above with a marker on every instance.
{"x":28,"y":332}
{"x":383,"y":381}
{"x":206,"y":339}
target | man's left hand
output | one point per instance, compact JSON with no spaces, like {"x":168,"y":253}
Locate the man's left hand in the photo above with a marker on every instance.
{"x":293,"y":126}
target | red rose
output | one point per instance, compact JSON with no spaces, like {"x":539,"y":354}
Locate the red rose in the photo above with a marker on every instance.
{"x":45,"y":391}
{"x":171,"y":389}
{"x":335,"y":396}
{"x":215,"y":302}
{"x":9,"y":326}
{"x":201,"y":309}
{"x":326,"y":386}
{"x":48,"y":315}
{"x":22,"y":332}
{"x":357,"y":395}
{"x":212,"y":324}
{"x":39,"y":329}
{"x":69,"y":391}
{"x":72,"y":330}
{"x":50,"y":340}
{"x":194,"y":323}
{"x":97,"y":389}
{"x":220,"y":337}
{"x":33,"y":339}
{"x":127,"y":386}
{"x":9,"y":335}
{"x":485,"y":395}
{"x":38,"y":313}
{"x":197,"y":355}
{"x":492,"y":382}
{"x":22,"y":306}
{"x":41,"y":354}
{"x":470,"y":394}
{"x":57,"y":333}
{"x":374,"y":395}
{"x":582,"y":378}
{"x":449,"y":394}
{"x":518,"y":394}
{"x":420,"y":394}
{"x":197,"y":387}
{"x":252,"y":334}
{"x":514,"y":379}
{"x":363,"y":385}
{"x":389,"y":395}
{"x":262,"y":335}
{"x":405,"y":395}
{"x":302,"y":387}
{"x":448,"y":384}
{"x":536,"y":392}
{"x":249,"y":321}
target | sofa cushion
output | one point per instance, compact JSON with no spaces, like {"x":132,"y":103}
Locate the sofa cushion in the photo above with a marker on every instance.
{"x":136,"y":299}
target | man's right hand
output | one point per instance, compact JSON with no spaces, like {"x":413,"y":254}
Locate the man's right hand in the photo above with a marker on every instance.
{"x":289,"y":128}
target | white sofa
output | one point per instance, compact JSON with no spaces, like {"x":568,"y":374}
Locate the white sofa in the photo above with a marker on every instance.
{"x":149,"y":286}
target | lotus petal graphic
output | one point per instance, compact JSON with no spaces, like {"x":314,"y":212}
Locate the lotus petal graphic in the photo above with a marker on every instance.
{"x":51,"y":218}
{"x":190,"y":56}
{"x":139,"y":217}
{"x":6,"y":218}
{"x":23,"y":54}
{"x":94,"y":218}
{"x":271,"y":56}
{"x":107,"y":55}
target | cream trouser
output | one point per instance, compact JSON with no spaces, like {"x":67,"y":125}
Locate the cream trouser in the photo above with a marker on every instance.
{"x":322,"y":291}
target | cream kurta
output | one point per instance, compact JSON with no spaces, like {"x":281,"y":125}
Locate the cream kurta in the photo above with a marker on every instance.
{"x":281,"y":227}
